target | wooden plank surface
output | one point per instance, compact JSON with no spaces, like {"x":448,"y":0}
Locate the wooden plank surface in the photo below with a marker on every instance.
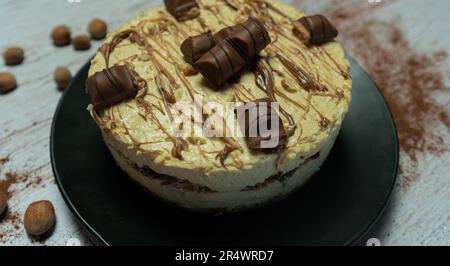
{"x":420,"y":210}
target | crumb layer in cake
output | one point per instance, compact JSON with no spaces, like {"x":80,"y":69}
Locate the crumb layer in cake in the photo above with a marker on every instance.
{"x":199,"y":198}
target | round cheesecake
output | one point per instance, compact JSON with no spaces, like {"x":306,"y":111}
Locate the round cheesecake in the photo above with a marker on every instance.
{"x":311,"y":83}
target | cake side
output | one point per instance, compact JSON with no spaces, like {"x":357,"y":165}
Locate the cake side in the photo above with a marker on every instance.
{"x":198,"y":198}
{"x":141,"y":136}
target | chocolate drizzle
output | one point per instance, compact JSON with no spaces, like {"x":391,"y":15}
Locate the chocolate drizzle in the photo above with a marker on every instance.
{"x":223,"y":155}
{"x":265,"y":81}
{"x":167,"y":52}
{"x":230,"y":5}
{"x":303,"y":78}
{"x":166,"y":93}
{"x":108,"y":48}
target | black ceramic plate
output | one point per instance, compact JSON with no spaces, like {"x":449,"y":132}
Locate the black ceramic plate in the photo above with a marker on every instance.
{"x":337,"y":207}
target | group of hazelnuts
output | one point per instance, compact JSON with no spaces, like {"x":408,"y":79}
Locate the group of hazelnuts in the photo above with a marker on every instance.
{"x":61,"y":36}
{"x":39,"y":218}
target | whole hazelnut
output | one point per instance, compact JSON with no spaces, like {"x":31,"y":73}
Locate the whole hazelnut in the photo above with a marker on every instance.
{"x":3,"y":202}
{"x":13,"y":56}
{"x":62,"y":77}
{"x":81,"y":43}
{"x":7,"y":82}
{"x":39,"y":218}
{"x":98,"y":29}
{"x":61,"y":35}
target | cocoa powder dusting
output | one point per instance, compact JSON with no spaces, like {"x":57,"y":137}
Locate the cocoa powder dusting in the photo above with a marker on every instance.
{"x":11,"y":224}
{"x":10,"y":179}
{"x":3,"y":161}
{"x":409,"y":80}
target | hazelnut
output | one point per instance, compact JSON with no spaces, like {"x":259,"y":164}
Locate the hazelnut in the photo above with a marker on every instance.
{"x":190,"y":71}
{"x":13,"y":56}
{"x":81,"y":42}
{"x":39,"y":218}
{"x":62,"y":77}
{"x":3,"y":202}
{"x":61,"y":35}
{"x":7,"y":82}
{"x":98,"y":29}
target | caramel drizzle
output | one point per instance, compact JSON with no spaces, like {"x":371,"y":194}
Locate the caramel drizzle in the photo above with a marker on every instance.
{"x":127,"y":60}
{"x":118,"y":38}
{"x":222,"y":156}
{"x":344,"y":73}
{"x":178,"y":144}
{"x":242,"y":93}
{"x":324,"y":122}
{"x":169,"y":98}
{"x":313,"y":87}
{"x":300,"y":75}
{"x":215,"y":11}
{"x":318,"y":52}
{"x":265,"y":81}
{"x":230,"y":144}
{"x":335,"y":93}
{"x":261,"y":8}
{"x":135,"y":142}
{"x":203,"y":25}
{"x":264,"y":7}
{"x":303,"y":78}
{"x":230,"y":5}
{"x":167,"y":95}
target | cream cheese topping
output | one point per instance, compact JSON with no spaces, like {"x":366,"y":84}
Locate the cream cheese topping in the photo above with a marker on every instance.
{"x":142,"y":136}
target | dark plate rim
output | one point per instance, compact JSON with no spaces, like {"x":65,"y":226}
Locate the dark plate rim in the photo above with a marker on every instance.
{"x":96,"y":238}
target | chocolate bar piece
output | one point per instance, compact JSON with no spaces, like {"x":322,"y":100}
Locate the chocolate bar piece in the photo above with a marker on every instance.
{"x":266,"y":115}
{"x":223,"y":33}
{"x":220,"y":63}
{"x":194,"y":47}
{"x":318,"y":28}
{"x":183,"y":10}
{"x":251,"y":37}
{"x":230,"y":56}
{"x":111,"y":86}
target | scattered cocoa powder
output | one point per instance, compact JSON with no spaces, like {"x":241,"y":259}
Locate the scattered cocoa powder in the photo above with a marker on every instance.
{"x":27,"y":179}
{"x":409,"y":80}
{"x":10,"y":179}
{"x":11,"y":225}
{"x":3,"y":161}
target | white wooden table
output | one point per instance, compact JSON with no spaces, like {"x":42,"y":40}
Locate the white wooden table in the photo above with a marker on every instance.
{"x":420,"y":210}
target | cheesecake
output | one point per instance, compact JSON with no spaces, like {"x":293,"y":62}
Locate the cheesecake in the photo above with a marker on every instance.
{"x":174,"y":60}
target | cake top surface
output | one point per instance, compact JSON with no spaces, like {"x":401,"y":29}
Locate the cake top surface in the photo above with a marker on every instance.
{"x":311,"y":84}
